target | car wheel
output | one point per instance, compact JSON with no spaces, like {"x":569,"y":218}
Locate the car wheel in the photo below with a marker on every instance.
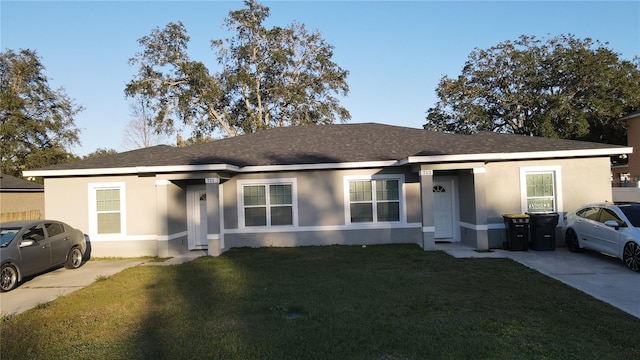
{"x":8,"y":278}
{"x":631,"y":256}
{"x":571,"y":239}
{"x":74,"y":259}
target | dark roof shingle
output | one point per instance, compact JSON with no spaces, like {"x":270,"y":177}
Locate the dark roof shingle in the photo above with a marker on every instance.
{"x":342,"y":143}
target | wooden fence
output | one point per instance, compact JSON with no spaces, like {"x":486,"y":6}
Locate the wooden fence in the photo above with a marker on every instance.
{"x":20,"y":215}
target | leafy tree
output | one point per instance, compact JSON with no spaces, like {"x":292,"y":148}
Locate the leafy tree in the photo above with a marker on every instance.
{"x":99,"y":152}
{"x":37,"y":122}
{"x":561,"y":88}
{"x":269,"y":78}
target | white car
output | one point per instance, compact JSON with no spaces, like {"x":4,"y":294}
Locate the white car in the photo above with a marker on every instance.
{"x":610,"y":228}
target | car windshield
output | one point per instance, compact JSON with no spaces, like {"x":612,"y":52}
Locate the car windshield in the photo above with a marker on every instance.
{"x":632,"y":212}
{"x":6,"y":235}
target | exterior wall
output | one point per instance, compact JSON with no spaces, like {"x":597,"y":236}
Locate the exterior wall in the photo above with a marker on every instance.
{"x":582,"y":181}
{"x":321,"y":212}
{"x":626,"y":194}
{"x":67,"y":199}
{"x":13,"y":202}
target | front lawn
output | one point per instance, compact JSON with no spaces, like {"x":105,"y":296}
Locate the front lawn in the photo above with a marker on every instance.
{"x":336,"y":302}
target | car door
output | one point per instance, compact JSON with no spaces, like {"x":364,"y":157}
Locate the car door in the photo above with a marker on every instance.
{"x":36,"y":256}
{"x":607,"y":237}
{"x":586,"y":225}
{"x":59,"y":240}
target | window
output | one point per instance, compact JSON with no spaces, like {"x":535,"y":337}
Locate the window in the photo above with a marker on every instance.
{"x":268,"y":204}
{"x":590,"y":213}
{"x":540,"y":189}
{"x":36,"y":233}
{"x":54,"y":229}
{"x":107,"y":209}
{"x":374,"y":200}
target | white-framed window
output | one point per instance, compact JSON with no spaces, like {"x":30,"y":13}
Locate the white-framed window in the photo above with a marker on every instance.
{"x":267,"y":203}
{"x":107,"y":209}
{"x":540,"y":189}
{"x":373,"y":199}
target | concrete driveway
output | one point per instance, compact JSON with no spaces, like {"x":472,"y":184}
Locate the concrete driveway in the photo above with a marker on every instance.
{"x":50,"y":285}
{"x":601,"y":276}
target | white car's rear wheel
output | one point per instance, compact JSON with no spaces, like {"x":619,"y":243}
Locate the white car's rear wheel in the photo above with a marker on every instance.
{"x":631,"y":256}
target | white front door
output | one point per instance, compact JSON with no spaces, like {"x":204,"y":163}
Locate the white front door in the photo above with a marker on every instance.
{"x":197,"y":217}
{"x":444,"y":209}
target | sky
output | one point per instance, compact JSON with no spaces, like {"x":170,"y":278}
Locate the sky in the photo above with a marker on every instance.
{"x":396,"y":52}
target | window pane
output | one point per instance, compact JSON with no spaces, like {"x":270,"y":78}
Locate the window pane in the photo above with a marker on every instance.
{"x":256,"y":216}
{"x":108,"y":200}
{"x":387,"y":190}
{"x":540,"y":205}
{"x":109,"y":223}
{"x":361,"y":212}
{"x":282,"y":215}
{"x":388,"y":211}
{"x":254,"y":195}
{"x":539,"y":185}
{"x":360,"y":190}
{"x":53,"y":229}
{"x":280,"y":194}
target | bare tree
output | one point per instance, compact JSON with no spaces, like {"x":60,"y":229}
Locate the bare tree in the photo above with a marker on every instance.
{"x":139,"y":133}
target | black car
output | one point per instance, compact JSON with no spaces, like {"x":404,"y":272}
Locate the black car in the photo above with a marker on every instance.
{"x":33,"y":246}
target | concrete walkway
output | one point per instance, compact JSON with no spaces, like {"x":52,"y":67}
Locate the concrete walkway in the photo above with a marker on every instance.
{"x":50,"y":285}
{"x":601,"y":276}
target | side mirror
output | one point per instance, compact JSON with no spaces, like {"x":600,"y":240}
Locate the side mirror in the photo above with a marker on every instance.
{"x":612,"y":223}
{"x":25,"y":243}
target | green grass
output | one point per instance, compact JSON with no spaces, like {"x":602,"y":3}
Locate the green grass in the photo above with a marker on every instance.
{"x":337,"y":302}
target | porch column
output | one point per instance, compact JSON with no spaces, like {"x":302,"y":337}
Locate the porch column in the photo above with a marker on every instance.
{"x":479,"y":190}
{"x":213,"y":216}
{"x":426,"y":201}
{"x":162,"y":224}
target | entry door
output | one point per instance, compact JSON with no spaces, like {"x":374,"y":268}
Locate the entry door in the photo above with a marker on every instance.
{"x":444,"y":209}
{"x":197,"y":217}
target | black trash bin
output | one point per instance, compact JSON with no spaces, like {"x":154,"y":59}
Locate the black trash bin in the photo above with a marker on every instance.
{"x":517,"y":232}
{"x":543,"y":231}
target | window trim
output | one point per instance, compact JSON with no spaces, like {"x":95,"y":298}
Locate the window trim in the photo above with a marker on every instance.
{"x":557,"y":185}
{"x":401,"y":198}
{"x":93,"y":212}
{"x":266,"y":182}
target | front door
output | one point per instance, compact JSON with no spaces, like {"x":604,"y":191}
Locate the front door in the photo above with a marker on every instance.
{"x":197,"y":217}
{"x":444,"y":209}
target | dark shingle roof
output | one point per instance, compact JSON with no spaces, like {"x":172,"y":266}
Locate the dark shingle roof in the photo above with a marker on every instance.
{"x":330,"y":144}
{"x":8,"y":182}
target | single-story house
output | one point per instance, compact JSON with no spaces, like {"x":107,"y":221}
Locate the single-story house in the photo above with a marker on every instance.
{"x":20,"y":199}
{"x":320,"y":185}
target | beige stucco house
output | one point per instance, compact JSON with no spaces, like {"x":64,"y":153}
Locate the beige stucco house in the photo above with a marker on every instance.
{"x":321,"y":185}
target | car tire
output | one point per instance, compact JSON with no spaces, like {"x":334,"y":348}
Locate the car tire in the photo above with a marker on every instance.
{"x":571,"y":238}
{"x":8,"y":278}
{"x":74,"y":258}
{"x":631,"y":256}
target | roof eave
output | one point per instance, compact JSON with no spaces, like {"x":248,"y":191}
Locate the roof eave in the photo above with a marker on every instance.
{"x":520,"y":155}
{"x":130,"y":170}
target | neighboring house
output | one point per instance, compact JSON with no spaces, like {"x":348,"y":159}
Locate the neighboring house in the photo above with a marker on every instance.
{"x":20,"y":199}
{"x":320,"y":185}
{"x":626,"y":177}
